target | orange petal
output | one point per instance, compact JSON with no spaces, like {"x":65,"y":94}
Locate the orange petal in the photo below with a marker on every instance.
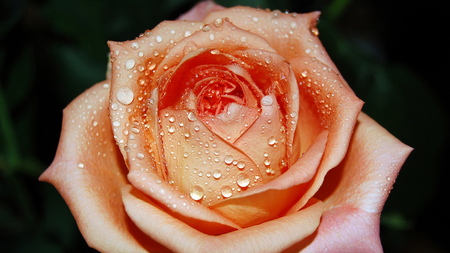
{"x":144,"y":176}
{"x":133,"y":66}
{"x":270,"y":200}
{"x":326,"y":103}
{"x":272,"y":236}
{"x":291,"y":35}
{"x":196,"y":157}
{"x":354,"y":193}
{"x":89,"y":171}
{"x":368,"y":171}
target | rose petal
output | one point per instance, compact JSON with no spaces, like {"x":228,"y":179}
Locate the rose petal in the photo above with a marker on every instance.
{"x":269,"y":200}
{"x":193,"y":154}
{"x":88,"y":171}
{"x":354,"y":193}
{"x":144,"y":176}
{"x":218,"y":34}
{"x":326,"y":103}
{"x":272,"y":236}
{"x":133,"y":67}
{"x":291,"y":35}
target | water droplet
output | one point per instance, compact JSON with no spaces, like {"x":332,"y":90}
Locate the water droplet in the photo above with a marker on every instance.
{"x":197,"y":128}
{"x":125,"y":95}
{"x":228,"y":159}
{"x":172,"y":119}
{"x":294,"y":25}
{"x":206,"y":28}
{"x":80,"y":165}
{"x":197,"y":192}
{"x":271,"y":141}
{"x":140,"y":156}
{"x":211,"y":36}
{"x":187,"y":134}
{"x":158,"y":38}
{"x":267,"y":162}
{"x":255,"y":19}
{"x":191,"y":117}
{"x":134,"y":45}
{"x":268,"y":59}
{"x":187,"y":33}
{"x":186,"y":154}
{"x":116,"y":123}
{"x":217,"y":174}
{"x":241,"y":165}
{"x":129,"y":64}
{"x":267,"y":101}
{"x":218,"y":22}
{"x":314,"y":31}
{"x":226,"y":191}
{"x":243,"y":180}
{"x":243,"y":38}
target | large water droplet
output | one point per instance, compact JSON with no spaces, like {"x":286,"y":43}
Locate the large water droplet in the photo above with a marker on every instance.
{"x":241,"y":165}
{"x":226,"y":191}
{"x":267,"y":101}
{"x":228,"y":159}
{"x":197,"y":192}
{"x":191,"y":116}
{"x":243,"y":180}
{"x":129,"y":64}
{"x":125,"y":95}
{"x":271,"y":141}
{"x":217,"y":174}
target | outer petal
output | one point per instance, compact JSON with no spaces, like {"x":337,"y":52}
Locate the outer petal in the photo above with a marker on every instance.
{"x":354,"y":193}
{"x":326,"y":104}
{"x":88,"y":171}
{"x":272,"y":236}
{"x":291,"y":35}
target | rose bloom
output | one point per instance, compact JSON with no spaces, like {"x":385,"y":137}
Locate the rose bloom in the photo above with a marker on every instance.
{"x":235,"y":133}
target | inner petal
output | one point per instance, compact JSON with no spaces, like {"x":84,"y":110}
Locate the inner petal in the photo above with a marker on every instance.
{"x":200,"y":163}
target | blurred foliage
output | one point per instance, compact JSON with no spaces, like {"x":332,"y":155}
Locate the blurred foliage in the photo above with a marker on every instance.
{"x":51,"y":51}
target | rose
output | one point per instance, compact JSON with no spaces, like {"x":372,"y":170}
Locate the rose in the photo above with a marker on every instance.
{"x":131,"y":174}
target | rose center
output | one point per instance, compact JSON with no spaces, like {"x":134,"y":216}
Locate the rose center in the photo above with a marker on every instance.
{"x":218,"y":93}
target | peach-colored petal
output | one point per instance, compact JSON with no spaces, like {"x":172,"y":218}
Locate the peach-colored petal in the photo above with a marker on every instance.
{"x":291,"y":35}
{"x":88,"y":171}
{"x":133,"y":66}
{"x":326,"y":103}
{"x":272,"y":236}
{"x":365,"y":177}
{"x":144,"y":176}
{"x":269,"y":200}
{"x":354,"y":193}
{"x":200,"y":10}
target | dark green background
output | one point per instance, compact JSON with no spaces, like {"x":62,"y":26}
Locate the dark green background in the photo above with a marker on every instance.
{"x":394,"y":54}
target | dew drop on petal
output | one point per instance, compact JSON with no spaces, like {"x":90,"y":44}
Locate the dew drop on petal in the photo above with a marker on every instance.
{"x":192,"y":117}
{"x":241,"y":165}
{"x":271,"y":141}
{"x":228,"y":159}
{"x":243,"y":180}
{"x":197,"y":192}
{"x":80,"y":165}
{"x":226,"y":191}
{"x":267,"y":101}
{"x":125,"y":95}
{"x":129,"y":64}
{"x":217,"y":174}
